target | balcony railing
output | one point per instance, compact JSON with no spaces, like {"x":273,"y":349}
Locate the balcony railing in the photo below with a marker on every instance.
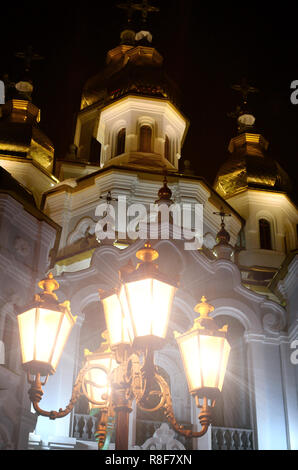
{"x":232,"y":439}
{"x":84,"y":427}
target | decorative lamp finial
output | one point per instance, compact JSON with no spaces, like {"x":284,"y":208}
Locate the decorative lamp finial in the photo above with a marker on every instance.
{"x":49,"y":284}
{"x":147,"y":254}
{"x":203,"y":308}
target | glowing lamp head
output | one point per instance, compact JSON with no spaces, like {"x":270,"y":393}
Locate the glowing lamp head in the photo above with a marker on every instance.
{"x":115,"y":320}
{"x":44,"y":328}
{"x":96,"y":383}
{"x":146,"y":298}
{"x":205,"y":353}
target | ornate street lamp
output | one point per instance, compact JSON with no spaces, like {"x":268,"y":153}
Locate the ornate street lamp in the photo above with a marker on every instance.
{"x":44,"y":328}
{"x":138,"y":314}
{"x":205,"y":352}
{"x":122,"y":369}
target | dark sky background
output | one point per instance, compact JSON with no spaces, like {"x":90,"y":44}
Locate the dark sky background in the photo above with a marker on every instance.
{"x":207,"y":46}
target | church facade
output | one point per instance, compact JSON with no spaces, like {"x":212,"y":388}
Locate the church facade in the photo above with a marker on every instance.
{"x":130,"y":133}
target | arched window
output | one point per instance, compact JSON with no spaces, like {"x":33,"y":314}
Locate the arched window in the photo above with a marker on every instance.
{"x":87,"y":128}
{"x":145,"y":138}
{"x":167,"y":148}
{"x":265,"y":234}
{"x":120,"y":145}
{"x":95,"y":149}
{"x":232,"y":408}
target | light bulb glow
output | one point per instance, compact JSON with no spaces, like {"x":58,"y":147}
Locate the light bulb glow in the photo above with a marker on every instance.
{"x":146,"y":305}
{"x":205,"y":359}
{"x":43,"y":334}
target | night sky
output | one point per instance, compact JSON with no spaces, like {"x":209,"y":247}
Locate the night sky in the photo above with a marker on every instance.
{"x":207,"y":47}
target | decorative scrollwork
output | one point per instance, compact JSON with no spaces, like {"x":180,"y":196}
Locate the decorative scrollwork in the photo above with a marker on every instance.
{"x":131,"y":381}
{"x":135,"y":378}
{"x":166,"y":403}
{"x":36,"y":393}
{"x":85,"y":381}
{"x":149,"y":393}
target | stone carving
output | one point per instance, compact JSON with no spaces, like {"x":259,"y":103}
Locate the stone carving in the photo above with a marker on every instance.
{"x":273,"y":322}
{"x":163,"y":439}
{"x":273,"y":318}
{"x":83,"y":229}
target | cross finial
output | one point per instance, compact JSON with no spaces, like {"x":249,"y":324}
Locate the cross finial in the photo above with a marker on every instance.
{"x":244,"y":88}
{"x":28,"y":56}
{"x":129,"y":7}
{"x":222,"y":215}
{"x":108,"y":198}
{"x":145,"y":8}
{"x":245,"y":118}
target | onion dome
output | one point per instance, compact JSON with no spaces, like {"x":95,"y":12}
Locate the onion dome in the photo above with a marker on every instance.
{"x":133,"y":67}
{"x":20,"y":135}
{"x":249,"y":165}
{"x":223,"y":237}
{"x":164,"y":194}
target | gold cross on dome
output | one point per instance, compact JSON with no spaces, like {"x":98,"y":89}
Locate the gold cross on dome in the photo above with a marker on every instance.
{"x":28,"y":56}
{"x":244,"y":88}
{"x":129,"y":7}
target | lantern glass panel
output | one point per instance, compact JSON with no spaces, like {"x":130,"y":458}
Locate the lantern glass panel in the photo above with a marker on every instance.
{"x":64,"y":331}
{"x":205,"y":359}
{"x":147,"y":305}
{"x":43,"y":333}
{"x":115,"y":320}
{"x":47,"y":328}
{"x":26,"y":323}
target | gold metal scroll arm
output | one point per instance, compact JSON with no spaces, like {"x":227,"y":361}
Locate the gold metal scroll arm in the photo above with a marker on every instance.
{"x":36,"y":393}
{"x":204,"y":416}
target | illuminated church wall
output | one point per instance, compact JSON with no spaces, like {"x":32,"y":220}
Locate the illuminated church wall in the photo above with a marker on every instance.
{"x":282,"y":216}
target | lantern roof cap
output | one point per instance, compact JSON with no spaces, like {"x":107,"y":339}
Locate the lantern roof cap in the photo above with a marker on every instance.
{"x":204,"y":322}
{"x":147,"y":253}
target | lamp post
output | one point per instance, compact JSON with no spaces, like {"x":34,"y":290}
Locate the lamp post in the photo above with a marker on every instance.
{"x":122,"y":370}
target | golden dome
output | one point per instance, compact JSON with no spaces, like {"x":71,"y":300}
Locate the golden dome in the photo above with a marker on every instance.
{"x":250,"y":167}
{"x":130,"y":69}
{"x":20,"y":135}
